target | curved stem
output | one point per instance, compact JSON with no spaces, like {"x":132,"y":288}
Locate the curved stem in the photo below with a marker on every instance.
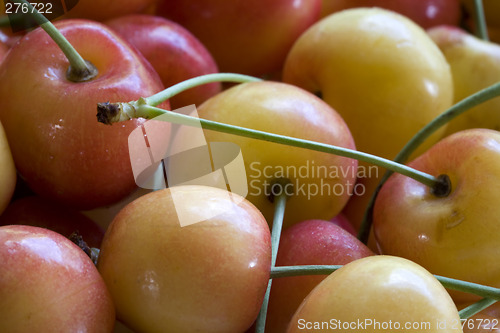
{"x":279,"y":213}
{"x":162,"y":96}
{"x":79,"y":69}
{"x":459,"y":285}
{"x":145,"y":111}
{"x":481,"y":27}
{"x":476,"y":308}
{"x":454,"y":111}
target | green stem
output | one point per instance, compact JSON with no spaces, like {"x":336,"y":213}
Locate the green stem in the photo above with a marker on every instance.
{"x":454,"y":111}
{"x":481,"y":27}
{"x":459,"y":285}
{"x":79,"y":69}
{"x":142,"y":110}
{"x":162,"y":96}
{"x":279,"y":213}
{"x":286,"y":271}
{"x":476,"y":308}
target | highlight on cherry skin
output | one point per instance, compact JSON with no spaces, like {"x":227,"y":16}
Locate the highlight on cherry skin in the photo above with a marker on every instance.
{"x":382,"y":73}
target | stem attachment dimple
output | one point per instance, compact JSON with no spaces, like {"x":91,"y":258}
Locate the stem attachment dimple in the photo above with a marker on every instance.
{"x":279,"y":187}
{"x":442,"y":188}
{"x":80,"y":74}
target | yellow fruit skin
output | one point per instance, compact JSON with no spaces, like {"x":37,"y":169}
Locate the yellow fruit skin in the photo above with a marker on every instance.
{"x":390,"y":292}
{"x":382,"y":73}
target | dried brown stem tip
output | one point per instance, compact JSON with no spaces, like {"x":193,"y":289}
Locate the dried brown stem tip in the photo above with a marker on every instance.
{"x":106,"y":112}
{"x":76,"y":238}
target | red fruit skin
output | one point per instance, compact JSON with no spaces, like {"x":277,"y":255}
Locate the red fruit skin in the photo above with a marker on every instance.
{"x":43,"y":213}
{"x":426,"y":13}
{"x":311,"y":242}
{"x":175,"y":53}
{"x":58,"y":146}
{"x":48,"y":284}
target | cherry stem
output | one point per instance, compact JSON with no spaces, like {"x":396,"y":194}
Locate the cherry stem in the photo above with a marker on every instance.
{"x":491,"y":293}
{"x":79,"y":69}
{"x":476,"y":308}
{"x":279,"y":214}
{"x":142,"y":110}
{"x":162,"y":96}
{"x":481,"y":27}
{"x":454,"y":111}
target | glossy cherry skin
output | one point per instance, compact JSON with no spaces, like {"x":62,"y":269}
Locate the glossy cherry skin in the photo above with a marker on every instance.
{"x":101,"y":11}
{"x":426,"y":13}
{"x":58,"y":146}
{"x":244,"y":36}
{"x":49,"y":284}
{"x":3,"y":50}
{"x":456,"y":235}
{"x":320,"y":183}
{"x":383,"y":74}
{"x":383,"y":289}
{"x":175,"y":53}
{"x":475,"y":65}
{"x":311,"y":242}
{"x":210,"y":276}
{"x":7,"y":172}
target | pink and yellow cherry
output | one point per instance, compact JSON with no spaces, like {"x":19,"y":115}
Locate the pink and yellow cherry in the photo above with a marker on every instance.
{"x":246,"y":36}
{"x":40,"y":212}
{"x":475,"y":65}
{"x":437,"y":230}
{"x":311,"y":242}
{"x":382,"y":73}
{"x":320,"y":183}
{"x":173,"y":51}
{"x":49,"y":284}
{"x":167,"y":273}
{"x":58,"y":146}
{"x":378,"y":294}
{"x":8,"y":177}
{"x":426,"y":13}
